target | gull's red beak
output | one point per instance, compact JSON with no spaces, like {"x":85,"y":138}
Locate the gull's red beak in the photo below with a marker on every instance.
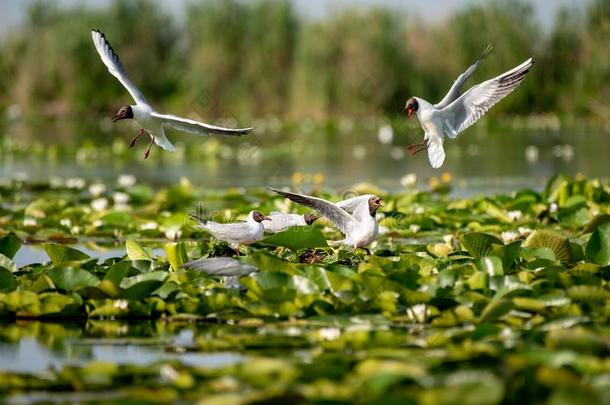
{"x":409,"y":112}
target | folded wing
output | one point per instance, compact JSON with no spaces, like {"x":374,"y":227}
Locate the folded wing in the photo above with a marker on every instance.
{"x":474,"y":103}
{"x":456,"y":88}
{"x":112,"y":62}
{"x":196,"y":127}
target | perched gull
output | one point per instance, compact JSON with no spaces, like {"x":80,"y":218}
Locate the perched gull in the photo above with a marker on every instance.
{"x":237,"y":233}
{"x":456,"y":111}
{"x":148,"y":119}
{"x":279,"y":221}
{"x":359,"y":227}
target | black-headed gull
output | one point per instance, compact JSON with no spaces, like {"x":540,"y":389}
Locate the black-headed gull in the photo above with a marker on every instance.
{"x":148,"y":119}
{"x":456,"y":111}
{"x":226,"y":267}
{"x":236,"y":233}
{"x":356,"y":220}
{"x":278,"y":221}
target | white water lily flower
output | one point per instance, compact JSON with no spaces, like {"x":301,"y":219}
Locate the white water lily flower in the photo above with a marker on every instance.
{"x":419,"y":210}
{"x":121,"y":304}
{"x":409,"y":180}
{"x":65,"y":222}
{"x":97,"y":189}
{"x":385,"y":134}
{"x":75,"y":230}
{"x":553,"y":208}
{"x":329,"y":333}
{"x":148,"y":226}
{"x":75,"y":182}
{"x":126,"y":180}
{"x":29,"y":222}
{"x":523,"y":231}
{"x":514,"y":215}
{"x":120,"y":198}
{"x":97,"y":223}
{"x":99,"y":204}
{"x":509,"y":236}
{"x":414,"y":228}
{"x":173,"y":234}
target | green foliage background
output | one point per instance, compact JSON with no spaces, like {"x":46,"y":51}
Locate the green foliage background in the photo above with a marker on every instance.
{"x":259,"y":58}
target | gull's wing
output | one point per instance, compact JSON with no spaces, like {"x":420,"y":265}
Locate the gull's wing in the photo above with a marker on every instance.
{"x":341,"y":218}
{"x":112,"y":62}
{"x":456,"y":88}
{"x":474,"y":103}
{"x":220,"y":266}
{"x":196,"y":127}
{"x":351,"y":204}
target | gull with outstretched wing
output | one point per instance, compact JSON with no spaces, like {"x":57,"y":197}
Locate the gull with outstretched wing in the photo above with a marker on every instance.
{"x":355,"y":218}
{"x":148,"y":119}
{"x":457,"y":111}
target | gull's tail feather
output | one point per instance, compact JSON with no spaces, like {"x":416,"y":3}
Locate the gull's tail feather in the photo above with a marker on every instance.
{"x":436,"y":153}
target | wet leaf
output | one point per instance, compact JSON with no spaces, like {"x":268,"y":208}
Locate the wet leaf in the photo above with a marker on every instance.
{"x":71,"y":279}
{"x":9,"y":245}
{"x":62,"y":253}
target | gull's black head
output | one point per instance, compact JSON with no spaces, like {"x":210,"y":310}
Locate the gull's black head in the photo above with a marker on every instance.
{"x":124,"y":113}
{"x":259,"y":217}
{"x":310,"y":218}
{"x":374,"y":204}
{"x":411,"y":106}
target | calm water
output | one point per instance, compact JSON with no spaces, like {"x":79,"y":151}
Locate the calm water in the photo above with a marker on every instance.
{"x":479,"y":161}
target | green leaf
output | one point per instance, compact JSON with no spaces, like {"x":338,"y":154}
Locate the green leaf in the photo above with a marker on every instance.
{"x":496,"y":309}
{"x":9,"y":245}
{"x":296,"y":238}
{"x":480,"y":244}
{"x":598,"y":247}
{"x":7,"y":280}
{"x":560,"y":245}
{"x":118,"y":272}
{"x":135,"y":251}
{"x":70,"y":278}
{"x":277,"y":287}
{"x":62,"y":253}
{"x":8,"y":264}
{"x":176,"y":254}
{"x":142,"y":285}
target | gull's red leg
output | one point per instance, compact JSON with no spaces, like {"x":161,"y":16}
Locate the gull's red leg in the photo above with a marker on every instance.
{"x":418,"y":147}
{"x":152,"y":140}
{"x":133,"y":141}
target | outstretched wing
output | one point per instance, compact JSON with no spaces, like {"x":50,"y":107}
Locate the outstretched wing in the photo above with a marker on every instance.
{"x":474,"y":103}
{"x":112,"y":62}
{"x":196,"y":127}
{"x":341,"y":218}
{"x":456,"y":88}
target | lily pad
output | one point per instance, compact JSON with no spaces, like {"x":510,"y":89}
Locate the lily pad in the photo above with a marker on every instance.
{"x":560,"y":245}
{"x":62,"y":253}
{"x":296,"y":238}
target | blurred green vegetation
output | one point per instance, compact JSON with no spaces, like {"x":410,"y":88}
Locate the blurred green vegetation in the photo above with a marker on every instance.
{"x":259,"y":58}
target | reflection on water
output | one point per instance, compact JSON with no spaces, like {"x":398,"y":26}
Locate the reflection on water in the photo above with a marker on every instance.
{"x":480,"y":161}
{"x":34,"y":347}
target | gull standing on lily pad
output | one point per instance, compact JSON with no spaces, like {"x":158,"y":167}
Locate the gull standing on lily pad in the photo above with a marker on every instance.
{"x":148,"y":119}
{"x":236,"y":233}
{"x":355,"y":217}
{"x":456,"y":111}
